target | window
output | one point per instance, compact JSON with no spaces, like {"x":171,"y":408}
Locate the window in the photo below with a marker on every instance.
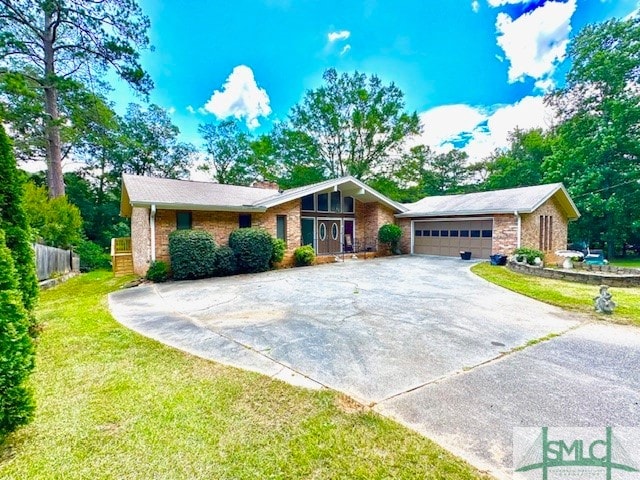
{"x":435,"y":233}
{"x":426,"y":233}
{"x":322,"y":232}
{"x":281,"y":227}
{"x":546,"y":232}
{"x":444,"y":233}
{"x":308,"y":204}
{"x":418,"y":233}
{"x":464,"y":233}
{"x":323,"y":202}
{"x":307,"y":225}
{"x":453,"y":233}
{"x":475,"y":233}
{"x":347,"y":205}
{"x":244,"y":220}
{"x":183,"y":220}
{"x":336,"y":204}
{"x":486,"y":233}
{"x":334,"y":231}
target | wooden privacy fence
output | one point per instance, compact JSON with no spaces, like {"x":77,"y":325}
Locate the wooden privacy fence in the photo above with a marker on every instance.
{"x":121,"y":257}
{"x":52,"y":261}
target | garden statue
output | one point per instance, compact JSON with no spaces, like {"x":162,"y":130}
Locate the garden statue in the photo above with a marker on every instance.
{"x":603,"y":302}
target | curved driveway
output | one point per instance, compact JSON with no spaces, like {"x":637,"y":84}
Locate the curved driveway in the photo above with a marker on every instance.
{"x":420,"y":338}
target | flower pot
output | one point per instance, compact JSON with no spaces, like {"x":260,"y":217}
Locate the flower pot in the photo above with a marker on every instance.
{"x":465,"y":255}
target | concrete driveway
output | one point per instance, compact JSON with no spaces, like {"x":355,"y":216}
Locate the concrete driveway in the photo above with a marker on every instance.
{"x":421,"y":339}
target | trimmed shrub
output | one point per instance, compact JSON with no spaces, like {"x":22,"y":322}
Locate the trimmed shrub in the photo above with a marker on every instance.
{"x":528,"y":255}
{"x":16,"y":349}
{"x":279,"y":247}
{"x":158,"y":271}
{"x":304,"y":256}
{"x":92,"y":256}
{"x":253,"y":248}
{"x":390,"y":234}
{"x":13,"y":220}
{"x":225,"y":262}
{"x":192,"y":254}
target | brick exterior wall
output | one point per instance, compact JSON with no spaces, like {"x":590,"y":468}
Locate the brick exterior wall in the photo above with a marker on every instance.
{"x":373,"y":217}
{"x":405,"y":240}
{"x":531,"y":230}
{"x":140,"y":240}
{"x":221,"y":224}
{"x":505,"y":234}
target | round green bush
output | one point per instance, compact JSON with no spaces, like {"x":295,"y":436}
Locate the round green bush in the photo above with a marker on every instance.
{"x":529,"y":255}
{"x":92,"y":256}
{"x":158,"y":271}
{"x":304,"y":256}
{"x":253,"y":248}
{"x":192,"y":254}
{"x":225,"y":262}
{"x":390,"y":234}
{"x":279,"y":247}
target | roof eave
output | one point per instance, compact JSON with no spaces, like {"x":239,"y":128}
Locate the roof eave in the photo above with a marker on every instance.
{"x":459,"y":213}
{"x":202,"y":208}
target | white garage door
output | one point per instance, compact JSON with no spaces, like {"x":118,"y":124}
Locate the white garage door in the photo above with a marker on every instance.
{"x":449,"y":237}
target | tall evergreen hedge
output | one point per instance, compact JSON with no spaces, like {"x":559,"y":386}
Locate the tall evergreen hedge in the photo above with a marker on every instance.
{"x":13,"y":221}
{"x":16,"y":349}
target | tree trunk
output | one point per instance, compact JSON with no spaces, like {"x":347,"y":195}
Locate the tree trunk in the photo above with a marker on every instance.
{"x":55,"y":180}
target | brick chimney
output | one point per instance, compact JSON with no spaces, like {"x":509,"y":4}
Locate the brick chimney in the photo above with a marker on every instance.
{"x":265,"y":184}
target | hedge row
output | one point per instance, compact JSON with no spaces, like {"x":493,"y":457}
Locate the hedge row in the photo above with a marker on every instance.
{"x":194,"y":254}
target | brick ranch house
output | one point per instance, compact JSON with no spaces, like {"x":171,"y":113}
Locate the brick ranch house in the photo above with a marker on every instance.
{"x":344,"y":215}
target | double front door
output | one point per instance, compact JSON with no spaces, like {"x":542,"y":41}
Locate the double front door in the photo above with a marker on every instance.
{"x":330,"y":234}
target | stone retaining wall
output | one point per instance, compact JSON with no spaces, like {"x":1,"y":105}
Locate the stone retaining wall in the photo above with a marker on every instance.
{"x":627,"y":278}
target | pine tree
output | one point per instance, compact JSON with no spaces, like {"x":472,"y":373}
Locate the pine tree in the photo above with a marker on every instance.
{"x":16,"y":349}
{"x":13,"y":221}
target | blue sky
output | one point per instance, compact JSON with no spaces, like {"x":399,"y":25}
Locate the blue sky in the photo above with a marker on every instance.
{"x":472,"y":69}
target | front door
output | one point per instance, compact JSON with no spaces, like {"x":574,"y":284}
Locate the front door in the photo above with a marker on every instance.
{"x":329,"y":236}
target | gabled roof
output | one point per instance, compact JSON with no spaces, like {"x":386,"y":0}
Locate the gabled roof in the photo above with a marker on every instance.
{"x":141,"y":191}
{"x":521,"y":200}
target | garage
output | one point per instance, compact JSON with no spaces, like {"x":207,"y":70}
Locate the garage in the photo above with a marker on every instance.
{"x":448,"y":237}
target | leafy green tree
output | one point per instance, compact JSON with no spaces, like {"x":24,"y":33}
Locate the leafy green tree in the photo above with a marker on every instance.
{"x":519,"y":165}
{"x":597,"y":146}
{"x":16,"y":348}
{"x":53,"y":220}
{"x":357,"y":123}
{"x":53,"y":43}
{"x":148,"y":144}
{"x":229,"y":152}
{"x":298,"y":158}
{"x":13,"y":220}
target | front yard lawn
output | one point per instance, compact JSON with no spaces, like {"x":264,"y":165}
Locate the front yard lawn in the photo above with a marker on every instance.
{"x":113,"y":404}
{"x":629,"y":262}
{"x":572,"y":296}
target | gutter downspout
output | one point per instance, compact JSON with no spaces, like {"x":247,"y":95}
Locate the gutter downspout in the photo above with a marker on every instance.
{"x":153,"y":232}
{"x":519,"y":229}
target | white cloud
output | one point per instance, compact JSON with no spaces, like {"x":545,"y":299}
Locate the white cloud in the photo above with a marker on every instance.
{"x":535,"y":42}
{"x":190,"y":109}
{"x":483,"y":129}
{"x":499,"y":3}
{"x":339,"y":35}
{"x":171,"y":110}
{"x":345,"y":49}
{"x":475,"y":6}
{"x":240,"y":97}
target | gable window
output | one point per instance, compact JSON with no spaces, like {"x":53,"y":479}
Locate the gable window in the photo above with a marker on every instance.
{"x":336,"y":204}
{"x":308,"y":205}
{"x":183,"y":220}
{"x":323,"y":202}
{"x":244,"y":220}
{"x":347,"y":204}
{"x":281,"y":227}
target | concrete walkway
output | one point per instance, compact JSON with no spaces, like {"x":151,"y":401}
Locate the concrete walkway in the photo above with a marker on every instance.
{"x":420,"y":339}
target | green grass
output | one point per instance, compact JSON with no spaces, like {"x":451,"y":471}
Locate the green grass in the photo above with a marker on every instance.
{"x":629,"y":262}
{"x":571,"y":296}
{"x":112,"y":404}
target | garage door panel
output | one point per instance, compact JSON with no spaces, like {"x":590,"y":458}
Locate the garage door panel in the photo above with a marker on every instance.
{"x":449,"y":237}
